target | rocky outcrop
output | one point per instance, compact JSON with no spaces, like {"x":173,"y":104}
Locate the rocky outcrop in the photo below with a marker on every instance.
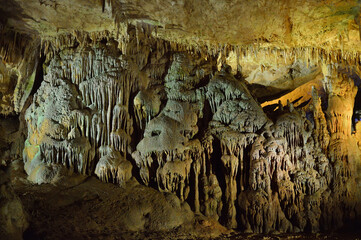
{"x":136,"y":107}
{"x":13,"y":219}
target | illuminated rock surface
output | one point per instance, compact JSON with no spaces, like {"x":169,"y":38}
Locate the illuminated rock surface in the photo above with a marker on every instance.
{"x":125,"y":119}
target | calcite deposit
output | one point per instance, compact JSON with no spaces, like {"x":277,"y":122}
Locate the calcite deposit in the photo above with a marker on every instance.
{"x":243,"y":114}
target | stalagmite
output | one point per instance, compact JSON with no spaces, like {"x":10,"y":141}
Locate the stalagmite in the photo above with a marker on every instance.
{"x":198,"y":133}
{"x":223,"y":127}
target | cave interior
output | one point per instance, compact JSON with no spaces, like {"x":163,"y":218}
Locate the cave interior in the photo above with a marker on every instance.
{"x":180,"y":119}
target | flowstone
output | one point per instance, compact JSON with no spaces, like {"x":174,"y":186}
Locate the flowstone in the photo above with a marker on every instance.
{"x":248,"y":172}
{"x":195,"y":132}
{"x":131,"y":119}
{"x":54,"y":147}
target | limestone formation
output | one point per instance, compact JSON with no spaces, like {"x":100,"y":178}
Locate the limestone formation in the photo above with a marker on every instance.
{"x":205,"y":139}
{"x":243,"y":117}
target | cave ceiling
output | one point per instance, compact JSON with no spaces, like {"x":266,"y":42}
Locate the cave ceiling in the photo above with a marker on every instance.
{"x":327,"y":24}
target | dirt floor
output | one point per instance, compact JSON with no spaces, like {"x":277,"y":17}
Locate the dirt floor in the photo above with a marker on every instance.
{"x":90,"y":209}
{"x":96,"y":210}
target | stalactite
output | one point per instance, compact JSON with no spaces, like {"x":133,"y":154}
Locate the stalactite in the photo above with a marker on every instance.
{"x":341,"y":93}
{"x":18,"y":53}
{"x":112,"y":167}
{"x":248,"y":171}
{"x":146,"y":106}
{"x":74,"y":154}
{"x":101,"y":112}
{"x":321,"y":133}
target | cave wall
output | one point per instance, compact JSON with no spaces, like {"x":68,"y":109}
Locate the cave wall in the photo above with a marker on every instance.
{"x":181,"y":122}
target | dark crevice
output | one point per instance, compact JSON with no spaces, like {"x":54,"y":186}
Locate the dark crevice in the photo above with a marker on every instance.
{"x":217,"y":167}
{"x":39,"y":75}
{"x":356,"y":117}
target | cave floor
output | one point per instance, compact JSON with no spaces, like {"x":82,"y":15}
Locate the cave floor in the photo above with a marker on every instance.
{"x":91,"y":209}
